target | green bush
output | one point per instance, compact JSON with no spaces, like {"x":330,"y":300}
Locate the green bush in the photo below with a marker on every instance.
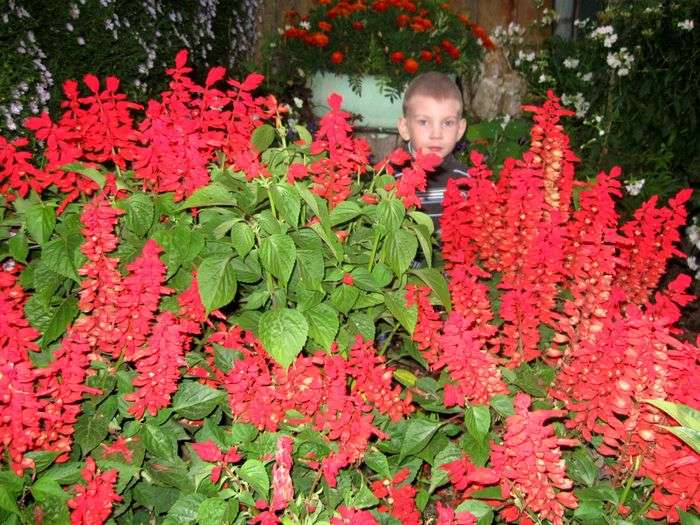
{"x":632,"y":77}
{"x":45,"y":43}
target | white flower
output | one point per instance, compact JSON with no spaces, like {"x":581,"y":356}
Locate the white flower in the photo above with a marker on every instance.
{"x":693,"y":263}
{"x":613,"y":60}
{"x":81,"y":41}
{"x":69,"y":27}
{"x":505,"y":121}
{"x":571,"y":63}
{"x":31,"y":37}
{"x":305,"y":24}
{"x":544,"y":78}
{"x":16,"y":107}
{"x":298,"y":102}
{"x":634,"y":187}
{"x":686,"y":25}
{"x":693,"y":232}
{"x":623,"y":72}
{"x":587,"y":77}
{"x":610,"y":40}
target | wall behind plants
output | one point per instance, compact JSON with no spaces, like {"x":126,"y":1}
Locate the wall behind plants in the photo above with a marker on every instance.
{"x":45,"y":43}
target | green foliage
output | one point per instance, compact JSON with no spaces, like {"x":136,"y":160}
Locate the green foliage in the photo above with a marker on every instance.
{"x":45,"y":44}
{"x":636,"y":92}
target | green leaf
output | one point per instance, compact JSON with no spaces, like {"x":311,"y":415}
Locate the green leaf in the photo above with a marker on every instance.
{"x":40,"y":221}
{"x":688,"y":435}
{"x":59,"y":321}
{"x":437,"y":283}
{"x":304,"y":134}
{"x":185,"y":510}
{"x":417,"y":436}
{"x":396,"y":303}
{"x":47,"y":489}
{"x":263,"y":137}
{"x":344,"y":212}
{"x":581,"y":468}
{"x":212,"y":512}
{"x":283,"y":333}
{"x":439,"y":475}
{"x":287,"y":201}
{"x":361,"y":324}
{"x":590,"y":512}
{"x":253,"y":472}
{"x":689,"y":519}
{"x":378,"y":462}
{"x":196,"y":401}
{"x":42,"y":458}
{"x":278,"y":255}
{"x":311,"y":268}
{"x":683,"y":414}
{"x":19,"y":247}
{"x":159,"y":443}
{"x":242,"y":238}
{"x":7,"y":501}
{"x":213,"y":195}
{"x":364,"y":280}
{"x":57,"y":255}
{"x":481,"y":511}
{"x":91,"y":429}
{"x":91,"y":173}
{"x":361,"y":498}
{"x":503,"y":404}
{"x":478,"y":449}
{"x":343,"y":297}
{"x":399,"y":251}
{"x":323,"y":324}
{"x":216,"y":280}
{"x":390,"y":214}
{"x":478,"y":421}
{"x":140,"y":212}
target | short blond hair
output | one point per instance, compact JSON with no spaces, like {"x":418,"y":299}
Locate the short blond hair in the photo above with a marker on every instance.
{"x":435,"y":85}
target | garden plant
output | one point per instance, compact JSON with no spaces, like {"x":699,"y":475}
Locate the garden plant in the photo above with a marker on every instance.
{"x":203,"y":320}
{"x":392,"y":40}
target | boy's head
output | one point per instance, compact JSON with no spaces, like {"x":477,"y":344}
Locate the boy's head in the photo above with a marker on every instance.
{"x":432,"y":119}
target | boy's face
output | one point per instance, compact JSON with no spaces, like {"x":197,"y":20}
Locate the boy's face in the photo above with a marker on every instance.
{"x":432,"y":126}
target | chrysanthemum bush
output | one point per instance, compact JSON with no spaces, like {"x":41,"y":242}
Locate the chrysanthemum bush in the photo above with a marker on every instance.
{"x":204,"y":323}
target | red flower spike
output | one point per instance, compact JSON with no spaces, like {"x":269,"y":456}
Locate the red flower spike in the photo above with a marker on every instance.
{"x":92,"y":504}
{"x":547,"y":494}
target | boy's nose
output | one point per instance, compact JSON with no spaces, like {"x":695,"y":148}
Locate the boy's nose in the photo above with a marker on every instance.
{"x":435,"y":132}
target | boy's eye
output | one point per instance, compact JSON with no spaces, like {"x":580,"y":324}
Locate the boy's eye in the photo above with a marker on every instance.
{"x":449,"y":123}
{"x":422,"y":122}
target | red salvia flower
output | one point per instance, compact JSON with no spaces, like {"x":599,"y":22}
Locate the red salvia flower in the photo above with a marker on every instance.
{"x":400,"y":497}
{"x":92,"y":504}
{"x":282,"y":487}
{"x":350,"y":516}
{"x":473,"y":369}
{"x":157,"y":366}
{"x":211,"y":453}
{"x":530,"y":465}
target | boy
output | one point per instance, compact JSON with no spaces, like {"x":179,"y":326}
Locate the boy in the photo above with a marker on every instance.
{"x":432,"y":122}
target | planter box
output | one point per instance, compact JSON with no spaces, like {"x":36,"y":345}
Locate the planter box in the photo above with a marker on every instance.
{"x":373,"y":105}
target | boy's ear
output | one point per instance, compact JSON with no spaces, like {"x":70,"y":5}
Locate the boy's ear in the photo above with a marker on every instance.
{"x":403,"y":129}
{"x":462,"y":127}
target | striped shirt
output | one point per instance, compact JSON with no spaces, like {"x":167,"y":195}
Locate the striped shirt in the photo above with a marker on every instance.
{"x":431,"y":198}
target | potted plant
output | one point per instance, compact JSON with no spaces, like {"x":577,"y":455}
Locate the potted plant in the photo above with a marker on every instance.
{"x":374,"y":48}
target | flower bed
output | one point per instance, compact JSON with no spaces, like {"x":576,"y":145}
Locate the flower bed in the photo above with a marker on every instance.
{"x":205,"y":323}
